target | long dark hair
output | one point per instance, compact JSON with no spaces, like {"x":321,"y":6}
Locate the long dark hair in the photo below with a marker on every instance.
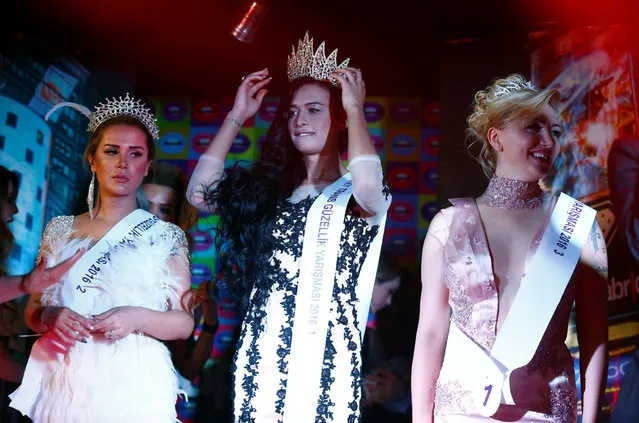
{"x":6,"y":237}
{"x":247,"y":200}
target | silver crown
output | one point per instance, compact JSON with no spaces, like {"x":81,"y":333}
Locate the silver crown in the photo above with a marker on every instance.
{"x":126,"y":106}
{"x":314,"y":64}
{"x":123,"y":107}
{"x":513,"y":86}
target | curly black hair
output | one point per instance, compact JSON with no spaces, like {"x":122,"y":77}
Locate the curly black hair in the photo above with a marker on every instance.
{"x":247,"y":200}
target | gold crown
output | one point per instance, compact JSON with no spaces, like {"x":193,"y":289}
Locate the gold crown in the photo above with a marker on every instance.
{"x":313,"y":64}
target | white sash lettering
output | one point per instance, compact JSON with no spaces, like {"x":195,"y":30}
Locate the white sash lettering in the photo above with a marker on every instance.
{"x":324,"y":226}
{"x":540,"y":292}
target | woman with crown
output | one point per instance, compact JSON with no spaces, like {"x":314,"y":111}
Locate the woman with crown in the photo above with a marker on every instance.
{"x":101,"y":356}
{"x":500,"y":274}
{"x":299,"y":239}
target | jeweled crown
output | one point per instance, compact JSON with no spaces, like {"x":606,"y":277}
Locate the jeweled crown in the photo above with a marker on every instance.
{"x":512,"y":86}
{"x":314,"y":64}
{"x":126,"y":106}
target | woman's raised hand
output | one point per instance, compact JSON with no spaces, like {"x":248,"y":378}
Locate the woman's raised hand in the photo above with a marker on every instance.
{"x":249,"y":95}
{"x":353,"y":89}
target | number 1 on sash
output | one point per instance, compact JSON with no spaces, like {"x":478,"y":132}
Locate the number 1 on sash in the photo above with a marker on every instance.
{"x":489,"y":389}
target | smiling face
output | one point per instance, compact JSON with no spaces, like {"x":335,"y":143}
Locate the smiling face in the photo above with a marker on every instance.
{"x":121,"y":160}
{"x":311,"y":123}
{"x":527,"y":147}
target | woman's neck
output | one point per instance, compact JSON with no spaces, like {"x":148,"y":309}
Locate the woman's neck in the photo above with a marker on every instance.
{"x":512,"y":194}
{"x":322,"y":168}
{"x":114,"y":209}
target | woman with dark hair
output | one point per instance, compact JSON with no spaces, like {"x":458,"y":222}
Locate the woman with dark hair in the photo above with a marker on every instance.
{"x":101,"y":358}
{"x":164,"y":189}
{"x":12,"y":354}
{"x":295,"y":248}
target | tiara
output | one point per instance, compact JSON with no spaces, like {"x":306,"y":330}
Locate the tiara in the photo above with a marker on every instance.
{"x":126,"y":106}
{"x":314,"y":64}
{"x":513,"y":86}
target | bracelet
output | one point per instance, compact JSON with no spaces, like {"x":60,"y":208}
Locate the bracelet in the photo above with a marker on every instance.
{"x":210,"y":328}
{"x":235,"y":121}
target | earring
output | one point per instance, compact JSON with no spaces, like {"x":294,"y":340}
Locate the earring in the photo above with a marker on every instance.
{"x":90,"y":196}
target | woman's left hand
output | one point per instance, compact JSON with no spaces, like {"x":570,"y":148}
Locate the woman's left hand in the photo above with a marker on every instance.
{"x":116,"y":323}
{"x":353,"y":89}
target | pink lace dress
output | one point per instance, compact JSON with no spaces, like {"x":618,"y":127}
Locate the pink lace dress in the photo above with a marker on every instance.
{"x":545,"y":389}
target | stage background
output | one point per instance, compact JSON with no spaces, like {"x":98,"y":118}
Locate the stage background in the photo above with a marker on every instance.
{"x":591,"y":67}
{"x":34,"y":76}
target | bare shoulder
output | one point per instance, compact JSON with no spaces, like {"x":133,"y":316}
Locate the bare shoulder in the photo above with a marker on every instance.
{"x":438,"y":229}
{"x":80,"y":221}
{"x":442,"y":220}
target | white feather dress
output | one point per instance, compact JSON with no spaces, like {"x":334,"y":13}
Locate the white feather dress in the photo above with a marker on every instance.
{"x":129,"y":380}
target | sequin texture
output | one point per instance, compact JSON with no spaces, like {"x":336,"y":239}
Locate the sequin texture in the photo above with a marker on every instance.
{"x":511,"y":194}
{"x":449,"y":397}
{"x":57,"y":229}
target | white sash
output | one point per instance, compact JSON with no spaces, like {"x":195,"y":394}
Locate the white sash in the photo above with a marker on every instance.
{"x":78,"y":292}
{"x":539,"y":294}
{"x":324,"y":226}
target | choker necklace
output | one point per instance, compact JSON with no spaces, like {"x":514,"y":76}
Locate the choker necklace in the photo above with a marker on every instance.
{"x":511,"y":194}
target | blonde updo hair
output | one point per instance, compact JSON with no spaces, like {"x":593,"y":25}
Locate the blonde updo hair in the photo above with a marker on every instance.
{"x":504,"y":101}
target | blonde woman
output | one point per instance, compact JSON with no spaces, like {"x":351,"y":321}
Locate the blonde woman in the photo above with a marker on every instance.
{"x":481,"y":253}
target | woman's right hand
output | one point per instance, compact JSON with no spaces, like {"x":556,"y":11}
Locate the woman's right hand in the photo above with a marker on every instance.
{"x":66,"y":324}
{"x":41,"y":278}
{"x":249,"y":95}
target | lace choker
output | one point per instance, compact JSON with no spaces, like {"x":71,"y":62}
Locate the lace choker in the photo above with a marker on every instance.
{"x":511,"y":194}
